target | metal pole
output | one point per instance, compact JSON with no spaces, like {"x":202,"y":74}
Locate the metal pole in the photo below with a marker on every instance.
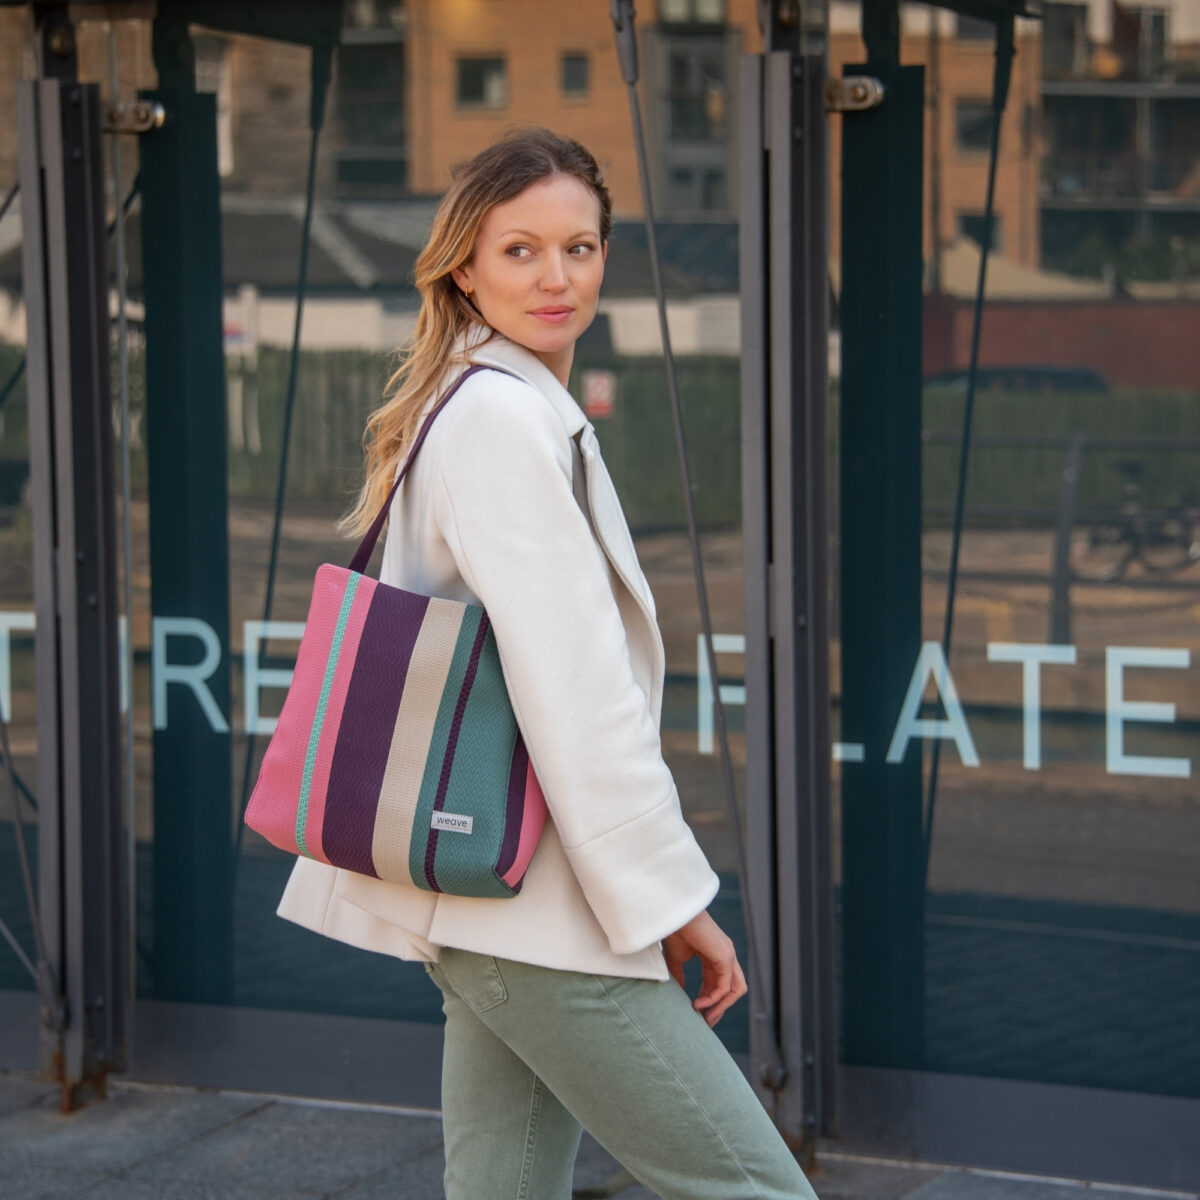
{"x":192,"y":957}
{"x":782,"y":170}
{"x":883,"y":978}
{"x":82,"y":899}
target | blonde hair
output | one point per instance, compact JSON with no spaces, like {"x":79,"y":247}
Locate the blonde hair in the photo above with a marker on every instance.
{"x":496,"y":175}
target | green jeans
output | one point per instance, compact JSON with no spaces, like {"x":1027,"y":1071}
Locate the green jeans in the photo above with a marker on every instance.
{"x":532,"y":1055}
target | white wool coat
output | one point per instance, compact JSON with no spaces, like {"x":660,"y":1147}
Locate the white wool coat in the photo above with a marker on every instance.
{"x":509,"y":505}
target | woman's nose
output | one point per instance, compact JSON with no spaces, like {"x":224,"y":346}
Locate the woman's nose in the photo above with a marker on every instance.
{"x":554,"y":277}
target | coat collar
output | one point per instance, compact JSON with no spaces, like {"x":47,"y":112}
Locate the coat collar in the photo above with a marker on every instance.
{"x":483,"y":345}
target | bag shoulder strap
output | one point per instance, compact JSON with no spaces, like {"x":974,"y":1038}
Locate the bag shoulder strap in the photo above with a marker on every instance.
{"x":366,"y":547}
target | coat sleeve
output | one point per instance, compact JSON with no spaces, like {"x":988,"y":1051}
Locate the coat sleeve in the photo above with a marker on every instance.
{"x":504,"y":503}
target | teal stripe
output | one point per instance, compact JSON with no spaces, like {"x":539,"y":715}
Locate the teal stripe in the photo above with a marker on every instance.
{"x":437,"y":744}
{"x":314,"y":738}
{"x":482,"y":761}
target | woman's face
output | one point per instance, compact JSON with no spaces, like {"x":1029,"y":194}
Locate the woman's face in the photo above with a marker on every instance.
{"x":536,"y":271}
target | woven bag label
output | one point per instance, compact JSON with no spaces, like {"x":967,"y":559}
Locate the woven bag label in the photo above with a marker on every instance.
{"x":452,"y":822}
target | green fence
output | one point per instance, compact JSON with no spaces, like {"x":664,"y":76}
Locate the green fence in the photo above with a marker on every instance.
{"x":336,"y":389}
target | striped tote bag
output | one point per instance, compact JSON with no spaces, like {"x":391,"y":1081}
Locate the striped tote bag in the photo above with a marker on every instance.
{"x":397,"y":753}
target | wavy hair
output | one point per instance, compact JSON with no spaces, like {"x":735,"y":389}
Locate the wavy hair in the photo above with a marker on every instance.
{"x":494,"y":176}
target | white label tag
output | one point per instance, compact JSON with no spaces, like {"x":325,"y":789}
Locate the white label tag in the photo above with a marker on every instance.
{"x":452,"y":822}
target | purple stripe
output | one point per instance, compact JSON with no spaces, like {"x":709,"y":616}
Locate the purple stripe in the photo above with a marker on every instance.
{"x":368,"y":723}
{"x":452,"y":743}
{"x":515,"y":808}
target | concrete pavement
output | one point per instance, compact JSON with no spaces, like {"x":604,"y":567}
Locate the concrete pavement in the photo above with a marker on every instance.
{"x":157,"y":1143}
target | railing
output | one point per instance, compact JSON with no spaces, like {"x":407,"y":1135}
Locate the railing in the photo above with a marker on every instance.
{"x":1163,"y":541}
{"x":1091,"y":175}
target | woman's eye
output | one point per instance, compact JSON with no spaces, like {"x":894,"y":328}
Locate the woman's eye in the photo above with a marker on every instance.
{"x":581,"y":248}
{"x":518,"y":251}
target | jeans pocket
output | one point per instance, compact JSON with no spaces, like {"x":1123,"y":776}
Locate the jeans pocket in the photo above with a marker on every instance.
{"x":485,"y":987}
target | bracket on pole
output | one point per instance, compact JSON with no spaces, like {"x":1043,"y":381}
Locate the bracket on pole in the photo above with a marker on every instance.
{"x":139,"y":117}
{"x":853,"y":93}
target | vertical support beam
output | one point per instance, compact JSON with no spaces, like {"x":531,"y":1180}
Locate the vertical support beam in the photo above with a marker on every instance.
{"x":882,"y":876}
{"x":784,"y":319}
{"x":189,"y":552}
{"x":753,"y":286}
{"x":81,"y":893}
{"x":795,"y":119}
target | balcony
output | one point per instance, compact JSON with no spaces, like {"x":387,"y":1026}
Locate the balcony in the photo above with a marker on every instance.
{"x":1121,"y":180}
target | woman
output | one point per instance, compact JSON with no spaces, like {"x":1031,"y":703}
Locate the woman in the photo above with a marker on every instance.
{"x":560,"y":1005}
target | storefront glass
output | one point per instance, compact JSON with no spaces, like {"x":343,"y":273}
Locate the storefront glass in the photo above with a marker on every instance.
{"x":1050,"y":926}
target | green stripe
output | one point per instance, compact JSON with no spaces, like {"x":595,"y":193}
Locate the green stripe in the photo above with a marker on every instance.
{"x":479,"y":783}
{"x":314,"y":738}
{"x":437,"y":744}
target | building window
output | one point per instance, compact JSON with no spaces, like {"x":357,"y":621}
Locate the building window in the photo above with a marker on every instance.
{"x":697,"y":190}
{"x":691,"y":12}
{"x":974,"y":29}
{"x":381,"y":17}
{"x":973,"y":126}
{"x":482,"y":83}
{"x":575,"y":75}
{"x":696,"y":83}
{"x":1064,"y":41}
{"x":370,"y":154}
{"x":970,"y":225}
{"x":214,"y":75}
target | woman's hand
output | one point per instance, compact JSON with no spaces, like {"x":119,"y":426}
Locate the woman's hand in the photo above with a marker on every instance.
{"x":722,"y":981}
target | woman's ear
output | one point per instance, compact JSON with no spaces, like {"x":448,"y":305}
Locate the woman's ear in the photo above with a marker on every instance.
{"x":604,"y":251}
{"x":462,"y":276}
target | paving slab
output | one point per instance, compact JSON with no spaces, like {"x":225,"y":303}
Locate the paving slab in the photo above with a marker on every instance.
{"x":418,"y":1178}
{"x":294,"y":1147}
{"x":17,"y":1091}
{"x":970,"y":1185}
{"x":111,"y":1135}
{"x":37,"y":1181}
{"x":843,"y":1178}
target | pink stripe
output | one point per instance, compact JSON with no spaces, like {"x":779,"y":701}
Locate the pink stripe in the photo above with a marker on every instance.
{"x":531,"y":827}
{"x":333,"y":716}
{"x":282,"y":773}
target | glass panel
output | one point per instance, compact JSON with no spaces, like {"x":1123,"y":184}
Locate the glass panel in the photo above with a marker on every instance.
{"x":360,"y":305}
{"x":1053,"y":929}
{"x":17,"y":698}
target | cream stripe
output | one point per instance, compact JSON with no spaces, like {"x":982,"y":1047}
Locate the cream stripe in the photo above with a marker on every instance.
{"x":401,"y":787}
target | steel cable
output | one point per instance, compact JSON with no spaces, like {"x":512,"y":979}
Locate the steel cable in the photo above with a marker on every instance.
{"x":322,"y":61}
{"x":1005,"y":50}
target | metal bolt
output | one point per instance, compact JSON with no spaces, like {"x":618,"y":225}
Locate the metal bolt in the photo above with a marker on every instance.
{"x":62,"y":41}
{"x":93,"y":601}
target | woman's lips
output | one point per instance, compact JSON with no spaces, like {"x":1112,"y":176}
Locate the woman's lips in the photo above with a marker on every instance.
{"x":554,"y":314}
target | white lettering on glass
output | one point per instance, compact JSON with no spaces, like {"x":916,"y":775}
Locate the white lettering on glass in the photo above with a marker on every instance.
{"x":1031,"y":657}
{"x":731,"y":693}
{"x":931,"y":665}
{"x":1118,"y":710}
{"x":256,"y":677}
{"x":193,"y":676}
{"x":9,"y":621}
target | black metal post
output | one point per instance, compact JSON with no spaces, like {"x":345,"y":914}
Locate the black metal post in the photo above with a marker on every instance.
{"x":785,"y":520}
{"x":189,"y":551}
{"x":81,"y":893}
{"x":880,"y":446}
